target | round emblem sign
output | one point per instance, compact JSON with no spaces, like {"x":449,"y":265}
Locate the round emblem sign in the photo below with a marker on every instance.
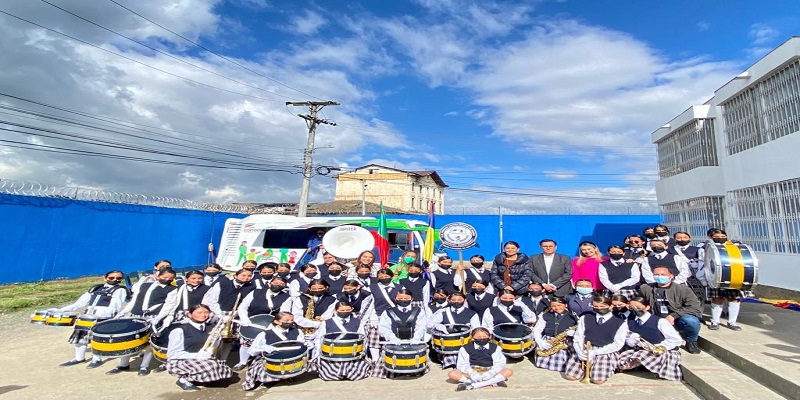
{"x":458,"y":235}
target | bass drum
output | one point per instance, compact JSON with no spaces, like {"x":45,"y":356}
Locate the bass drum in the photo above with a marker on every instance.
{"x":260,"y":323}
{"x":120,"y":337}
{"x":730,"y":266}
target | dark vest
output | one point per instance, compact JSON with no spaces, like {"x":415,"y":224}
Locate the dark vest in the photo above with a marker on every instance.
{"x":379,"y":299}
{"x":102,"y":294}
{"x":578,"y":306}
{"x":691,"y":252}
{"x":479,"y":358}
{"x":480,"y":306}
{"x":228,"y":292}
{"x":416,"y":288}
{"x":157,"y":297}
{"x":470,"y":277}
{"x":434,"y":307}
{"x":351,"y":325}
{"x":544,"y":303}
{"x":193,"y":297}
{"x":323,"y":304}
{"x":303,"y":285}
{"x":193,"y":338}
{"x":617,"y":274}
{"x":292,"y":334}
{"x":668,"y":261}
{"x":501,"y":318}
{"x":444,"y":281}
{"x":462,"y":318}
{"x":366,"y":284}
{"x":403,"y":323}
{"x":556,"y":324}
{"x":358,"y":303}
{"x":601,"y":335}
{"x":259,"y":304}
{"x":335,"y":286}
{"x":649,"y":331}
{"x":630,"y":254}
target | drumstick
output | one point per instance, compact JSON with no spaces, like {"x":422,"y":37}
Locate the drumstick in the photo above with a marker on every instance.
{"x":253,"y":325}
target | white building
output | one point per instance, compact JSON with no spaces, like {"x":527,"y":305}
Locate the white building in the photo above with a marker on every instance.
{"x":409,"y":191}
{"x":734,"y":163}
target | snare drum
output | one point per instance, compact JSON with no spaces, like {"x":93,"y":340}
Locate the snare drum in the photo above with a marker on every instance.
{"x":250,"y":332}
{"x":289,"y":360}
{"x":120,"y":337}
{"x":452,"y":341}
{"x":159,"y":351}
{"x":60,"y":318}
{"x":339,"y":346}
{"x":85,"y":322}
{"x":405,"y":358}
{"x":39,"y":317}
{"x":516,"y":340}
{"x":730,"y":266}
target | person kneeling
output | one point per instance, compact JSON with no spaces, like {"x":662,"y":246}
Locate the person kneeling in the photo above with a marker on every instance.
{"x":186,"y":357}
{"x":654,"y":343}
{"x":480,"y":363}
{"x":598,"y":339}
{"x":283,"y":329}
{"x":341,"y":324}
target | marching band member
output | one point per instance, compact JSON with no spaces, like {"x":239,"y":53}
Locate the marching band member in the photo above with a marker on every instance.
{"x":619,"y":276}
{"x":186,"y":357}
{"x":283,"y":329}
{"x":226,"y":294}
{"x":480,"y":363}
{"x":556,"y":320}
{"x":327,"y":260}
{"x":308,"y":272}
{"x":104,"y":301}
{"x":587,"y":265}
{"x":188,"y":294}
{"x":251,"y":266}
{"x":508,"y":310}
{"x":444,"y":277}
{"x":580,"y":303}
{"x":359,"y":298}
{"x":660,"y":257}
{"x":212,"y":274}
{"x":419,"y":286}
{"x":619,"y":307}
{"x":335,"y":277}
{"x":399,"y":323}
{"x":662,"y":234}
{"x":607,"y":336}
{"x":683,"y":247}
{"x":152,"y":277}
{"x":365,"y":259}
{"x":342,"y":321}
{"x":261,"y":301}
{"x":475,"y":271}
{"x":315,"y":296}
{"x":636,"y":252}
{"x":648,"y":333}
{"x":153,"y":301}
{"x":438,"y":302}
{"x":284,"y":270}
{"x":718,"y":296}
{"x":535,"y":299}
{"x":383,"y":292}
{"x":479,"y":299}
{"x":266,"y":271}
{"x":363,"y":274}
{"x":455,"y":314}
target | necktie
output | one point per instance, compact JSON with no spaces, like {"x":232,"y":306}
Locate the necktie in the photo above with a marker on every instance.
{"x":203,"y":328}
{"x":482,"y":348}
{"x":601,"y":320}
{"x":639,"y":322}
{"x":352,"y":299}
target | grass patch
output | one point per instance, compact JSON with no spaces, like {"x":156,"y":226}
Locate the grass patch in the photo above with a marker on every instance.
{"x":44,"y":294}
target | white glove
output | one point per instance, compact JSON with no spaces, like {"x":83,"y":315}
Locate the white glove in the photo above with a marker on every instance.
{"x":54,"y":310}
{"x":440,"y":328}
{"x":395,"y":341}
{"x":415,"y":341}
{"x":487,"y":375}
{"x":269,"y":349}
{"x":475,"y":377}
{"x":245,"y":323}
{"x":633,"y":340}
{"x":203,"y":354}
{"x":545,"y":345}
{"x":167,"y":321}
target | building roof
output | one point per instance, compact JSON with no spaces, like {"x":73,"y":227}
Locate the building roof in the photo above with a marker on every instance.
{"x":432,"y":174}
{"x":338,"y":207}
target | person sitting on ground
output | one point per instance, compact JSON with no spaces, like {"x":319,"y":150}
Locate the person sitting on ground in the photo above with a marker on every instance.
{"x":480,"y":363}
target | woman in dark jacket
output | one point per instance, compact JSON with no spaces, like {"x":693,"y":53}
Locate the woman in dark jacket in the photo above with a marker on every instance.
{"x":510,"y":270}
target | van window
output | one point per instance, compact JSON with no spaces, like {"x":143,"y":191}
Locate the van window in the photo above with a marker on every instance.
{"x":285,"y":238}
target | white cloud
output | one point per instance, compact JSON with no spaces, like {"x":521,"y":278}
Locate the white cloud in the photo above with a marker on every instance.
{"x":308,"y":24}
{"x":561,"y":174}
{"x":762,"y":34}
{"x":703,"y":26}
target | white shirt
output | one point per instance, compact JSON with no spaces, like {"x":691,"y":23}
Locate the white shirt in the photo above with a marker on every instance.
{"x":634,"y":279}
{"x":175,"y":349}
{"x":302,"y":321}
{"x":619,"y":338}
{"x":439,"y":317}
{"x":528,"y":316}
{"x":244,"y":315}
{"x":680,"y":262}
{"x":548,"y":263}
{"x":498,"y":362}
{"x":385,"y":326}
{"x":169,"y":303}
{"x":672,"y":339}
{"x":114,"y":306}
{"x":211,"y":298}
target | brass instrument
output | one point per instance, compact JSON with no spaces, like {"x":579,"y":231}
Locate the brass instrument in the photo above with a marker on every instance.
{"x":587,"y":365}
{"x":222,"y":328}
{"x":557,"y":343}
{"x":309,"y":315}
{"x":227,"y":331}
{"x":657,"y":350}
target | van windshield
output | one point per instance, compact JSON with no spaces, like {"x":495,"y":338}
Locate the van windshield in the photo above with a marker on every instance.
{"x":285,"y":238}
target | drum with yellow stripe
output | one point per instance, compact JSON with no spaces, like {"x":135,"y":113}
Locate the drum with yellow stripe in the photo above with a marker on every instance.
{"x":342,"y":346}
{"x":730,"y":266}
{"x":405,"y":358}
{"x":61,"y":318}
{"x":39,"y":317}
{"x":120,"y":337}
{"x":290,"y":359}
{"x":159,"y":352}
{"x":516,"y":340}
{"x":450,"y":342}
{"x":85,"y":322}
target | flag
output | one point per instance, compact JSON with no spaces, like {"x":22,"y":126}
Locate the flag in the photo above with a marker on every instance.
{"x":382,"y":238}
{"x":430,"y":236}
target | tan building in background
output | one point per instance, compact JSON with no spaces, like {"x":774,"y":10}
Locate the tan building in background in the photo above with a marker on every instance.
{"x":410,"y":191}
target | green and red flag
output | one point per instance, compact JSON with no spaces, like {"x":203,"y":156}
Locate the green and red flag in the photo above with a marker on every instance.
{"x":382,"y":238}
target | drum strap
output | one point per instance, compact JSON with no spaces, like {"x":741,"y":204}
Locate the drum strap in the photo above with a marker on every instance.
{"x":411,"y":317}
{"x":185,"y":297}
{"x":504,"y":310}
{"x":476,"y":273}
{"x":339,"y":324}
{"x":270,"y":301}
{"x":279,"y":334}
{"x":385,"y":293}
{"x":449,"y":313}
{"x":680,"y":253}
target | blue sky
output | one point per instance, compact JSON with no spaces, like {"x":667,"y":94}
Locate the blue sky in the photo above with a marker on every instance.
{"x":552,"y":99}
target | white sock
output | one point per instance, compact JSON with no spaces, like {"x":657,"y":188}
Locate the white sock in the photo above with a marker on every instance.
{"x":375,"y":354}
{"x":733,"y":311}
{"x":182,"y":380}
{"x":494,"y":380}
{"x":148,"y":356}
{"x":716,"y":312}
{"x":80,"y":352}
{"x":124,"y":362}
{"x":95,"y":357}
{"x":244,"y":354}
{"x":464,"y":379}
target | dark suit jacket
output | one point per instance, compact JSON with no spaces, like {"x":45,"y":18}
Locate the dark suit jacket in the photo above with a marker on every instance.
{"x":560,"y":272}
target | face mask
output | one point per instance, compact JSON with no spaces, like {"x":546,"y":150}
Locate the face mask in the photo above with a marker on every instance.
{"x":683,"y":242}
{"x":287,"y":325}
{"x":335,"y":272}
{"x":363,"y":276}
{"x":507,"y":303}
{"x":239,"y":282}
{"x":658,"y":249}
{"x":403,"y":303}
{"x":719,"y":240}
{"x":276,"y":288}
{"x":212,"y":274}
{"x":478,"y":291}
{"x":350,"y":292}
{"x":165,"y":281}
{"x":343,"y":315}
{"x":409,"y":260}
{"x":650,"y":235}
{"x":310,"y":276}
{"x":535,"y":293}
{"x":481,"y":342}
{"x":456,"y":304}
{"x":615,"y":256}
{"x":385,"y":281}
{"x":637,"y":312}
{"x":584,"y":290}
{"x":621,"y":309}
{"x":267,"y":276}
{"x":661,"y":233}
{"x":414,"y":274}
{"x":661,"y":280}
{"x":477,"y":265}
{"x":439,"y":300}
{"x":601,"y":311}
{"x":443,"y":266}
{"x":317,"y":293}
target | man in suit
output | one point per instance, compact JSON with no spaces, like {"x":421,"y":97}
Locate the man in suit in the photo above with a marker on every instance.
{"x":552,"y":271}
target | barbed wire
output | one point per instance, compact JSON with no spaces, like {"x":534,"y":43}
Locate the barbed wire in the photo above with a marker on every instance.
{"x":577,"y":210}
{"x":24,"y":188}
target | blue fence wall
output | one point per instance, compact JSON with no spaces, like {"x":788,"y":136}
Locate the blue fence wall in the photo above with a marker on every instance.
{"x":47,"y":238}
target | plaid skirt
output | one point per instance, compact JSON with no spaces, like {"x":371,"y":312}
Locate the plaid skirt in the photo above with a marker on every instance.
{"x":80,"y":337}
{"x":448,"y":360}
{"x":628,"y":293}
{"x":256,"y":374}
{"x":712,"y":293}
{"x":199,"y":370}
{"x":556,"y":362}
{"x":603,"y":367}
{"x":373,"y":338}
{"x":343,"y":370}
{"x":666,"y":366}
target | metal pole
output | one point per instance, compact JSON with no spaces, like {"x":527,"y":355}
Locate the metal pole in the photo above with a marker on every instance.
{"x":302,"y":208}
{"x":500,"y":215}
{"x":363,"y":198}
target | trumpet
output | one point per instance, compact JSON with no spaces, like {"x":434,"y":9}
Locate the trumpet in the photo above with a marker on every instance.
{"x":657,"y":350}
{"x":587,"y":365}
{"x":309,"y":315}
{"x":222,"y":330}
{"x":557,"y":343}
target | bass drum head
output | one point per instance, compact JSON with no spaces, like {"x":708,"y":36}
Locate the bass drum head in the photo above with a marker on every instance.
{"x":250,"y":332}
{"x":338,"y":336}
{"x":406,"y":348}
{"x":290,"y":353}
{"x":711,"y":264}
{"x":730,"y":266}
{"x":117,"y":326}
{"x":512,"y":331}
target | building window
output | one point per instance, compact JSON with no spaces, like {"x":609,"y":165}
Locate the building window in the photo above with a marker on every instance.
{"x":766,"y":111}
{"x":694,"y":216}
{"x":689,"y":147}
{"x":767,"y":217}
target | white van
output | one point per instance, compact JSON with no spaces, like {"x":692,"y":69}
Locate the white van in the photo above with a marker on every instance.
{"x":284,"y":238}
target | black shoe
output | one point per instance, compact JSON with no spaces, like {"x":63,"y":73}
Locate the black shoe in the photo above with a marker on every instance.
{"x":144,"y":372}
{"x":239,"y":367}
{"x":502,"y":384}
{"x":463,"y":386}
{"x":692,"y":348}
{"x":187,"y":385}
{"x":734,"y":327}
{"x":117,"y":370}
{"x":713,"y":326}
{"x":94,"y":364}
{"x":71,"y":363}
{"x":160,"y":368}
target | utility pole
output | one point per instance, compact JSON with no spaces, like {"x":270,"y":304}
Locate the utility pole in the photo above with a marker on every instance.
{"x":363,"y":197}
{"x":312,"y":121}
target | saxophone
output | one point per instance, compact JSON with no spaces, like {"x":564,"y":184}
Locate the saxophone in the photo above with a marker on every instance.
{"x":309,"y":315}
{"x":587,"y":365}
{"x":557,"y":343}
{"x":657,"y":350}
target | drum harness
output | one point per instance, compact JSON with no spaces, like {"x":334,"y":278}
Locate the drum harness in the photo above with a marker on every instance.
{"x":404,"y":324}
